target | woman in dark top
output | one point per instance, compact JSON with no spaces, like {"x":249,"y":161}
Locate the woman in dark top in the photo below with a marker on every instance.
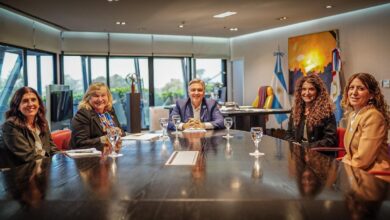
{"x":94,"y":117}
{"x":26,"y":134}
{"x":312,"y":120}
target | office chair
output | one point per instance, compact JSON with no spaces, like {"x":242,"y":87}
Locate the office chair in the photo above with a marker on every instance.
{"x":61,"y":138}
{"x":340,"y":149}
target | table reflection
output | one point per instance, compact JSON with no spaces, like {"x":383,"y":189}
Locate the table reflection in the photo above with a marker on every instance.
{"x":257,"y":170}
{"x":28,"y":183}
{"x":313,"y":171}
{"x":364,"y":193}
{"x":288,"y":181}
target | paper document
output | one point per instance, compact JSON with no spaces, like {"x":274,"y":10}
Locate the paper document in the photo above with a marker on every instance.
{"x":141,"y":136}
{"x":194,"y":130}
{"x":89,"y":152}
{"x":183,"y":158}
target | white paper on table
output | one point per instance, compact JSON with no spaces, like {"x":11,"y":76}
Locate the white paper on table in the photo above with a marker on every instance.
{"x":194,"y":130}
{"x":78,"y":153}
{"x":141,"y":137}
{"x":183,"y":158}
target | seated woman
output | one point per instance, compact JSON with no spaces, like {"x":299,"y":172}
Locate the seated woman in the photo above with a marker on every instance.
{"x":365,"y":139}
{"x":95,"y":115}
{"x":26,"y":135}
{"x":312,"y":120}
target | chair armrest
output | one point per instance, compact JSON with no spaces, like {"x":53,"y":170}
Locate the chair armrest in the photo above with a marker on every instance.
{"x":379,"y":172}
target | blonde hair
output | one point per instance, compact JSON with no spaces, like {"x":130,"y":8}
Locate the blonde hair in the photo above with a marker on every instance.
{"x":84,"y":104}
{"x":197,"y":81}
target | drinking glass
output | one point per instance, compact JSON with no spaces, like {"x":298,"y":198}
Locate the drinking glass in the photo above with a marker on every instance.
{"x":164,"y":125}
{"x":257,"y":134}
{"x":228,"y":122}
{"x":113,"y":136}
{"x":176,"y":121}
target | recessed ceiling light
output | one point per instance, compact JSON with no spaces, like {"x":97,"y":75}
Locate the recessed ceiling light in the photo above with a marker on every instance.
{"x":225,"y":14}
{"x":233,"y":29}
{"x":282,"y":18}
{"x":181,"y":25}
{"x":120,"y":23}
{"x":329,"y":6}
{"x":123,"y":23}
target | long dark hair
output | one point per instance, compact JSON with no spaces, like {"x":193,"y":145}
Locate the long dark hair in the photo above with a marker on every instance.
{"x":13,"y":114}
{"x":322,"y":107}
{"x":378,"y":100}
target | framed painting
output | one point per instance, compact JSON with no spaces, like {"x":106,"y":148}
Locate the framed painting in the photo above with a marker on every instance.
{"x":311,"y":54}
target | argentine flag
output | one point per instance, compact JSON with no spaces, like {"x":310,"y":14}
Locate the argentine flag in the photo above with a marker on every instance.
{"x":335,"y":89}
{"x":281,"y":99}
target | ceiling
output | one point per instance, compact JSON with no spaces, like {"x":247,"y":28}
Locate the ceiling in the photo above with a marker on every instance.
{"x":164,"y":16}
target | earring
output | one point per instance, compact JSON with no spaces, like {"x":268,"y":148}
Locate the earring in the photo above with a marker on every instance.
{"x":371,"y":101}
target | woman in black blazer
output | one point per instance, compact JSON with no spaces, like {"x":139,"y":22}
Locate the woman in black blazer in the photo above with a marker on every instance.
{"x":95,"y":115}
{"x":26,"y":134}
{"x":312,"y":121}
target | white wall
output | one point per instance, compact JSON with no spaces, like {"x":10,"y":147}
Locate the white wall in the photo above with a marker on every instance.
{"x":25,"y":32}
{"x":364,"y":43}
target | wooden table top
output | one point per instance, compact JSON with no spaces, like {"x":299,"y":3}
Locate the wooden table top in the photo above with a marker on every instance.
{"x":226,"y":183}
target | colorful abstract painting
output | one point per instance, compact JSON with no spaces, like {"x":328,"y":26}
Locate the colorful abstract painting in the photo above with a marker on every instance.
{"x":311,"y":54}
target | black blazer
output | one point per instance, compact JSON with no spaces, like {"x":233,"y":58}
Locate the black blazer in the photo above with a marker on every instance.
{"x":87,"y":130}
{"x":18,"y":145}
{"x":323,"y":135}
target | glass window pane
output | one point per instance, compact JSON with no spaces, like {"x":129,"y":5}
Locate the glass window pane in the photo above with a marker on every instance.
{"x":40,"y":65}
{"x":32,"y":72}
{"x":168,"y":81}
{"x":144,"y":84}
{"x":73,"y":76}
{"x":11,"y":75}
{"x":120,"y":67}
{"x":210,"y":71}
{"x":47,"y":72}
{"x":99,"y":70}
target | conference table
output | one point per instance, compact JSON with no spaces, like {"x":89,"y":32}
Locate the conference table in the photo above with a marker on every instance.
{"x":288,"y":182}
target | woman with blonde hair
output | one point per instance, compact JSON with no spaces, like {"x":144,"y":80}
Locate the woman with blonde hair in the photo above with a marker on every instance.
{"x":367,"y":112}
{"x":94,"y":117}
{"x":312,"y":120}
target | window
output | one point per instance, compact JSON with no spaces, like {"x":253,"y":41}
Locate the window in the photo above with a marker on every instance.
{"x":170,"y":80}
{"x":211,"y":71}
{"x":40,"y":71}
{"x":120,"y":69}
{"x":98,"y":69}
{"x":74,"y":75}
{"x":11,"y":75}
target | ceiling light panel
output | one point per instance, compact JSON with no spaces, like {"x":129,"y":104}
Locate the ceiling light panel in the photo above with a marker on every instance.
{"x":225,"y":14}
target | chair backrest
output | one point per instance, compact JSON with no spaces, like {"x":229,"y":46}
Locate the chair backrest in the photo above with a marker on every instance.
{"x":155,"y":113}
{"x":61,"y":138}
{"x":340,"y":138}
